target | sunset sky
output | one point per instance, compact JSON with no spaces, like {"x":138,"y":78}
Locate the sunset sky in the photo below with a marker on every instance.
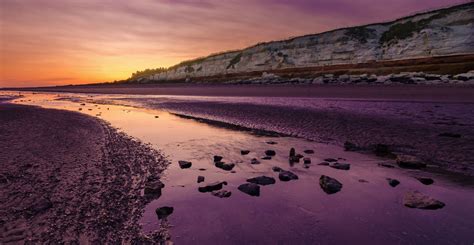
{"x":53,"y":42}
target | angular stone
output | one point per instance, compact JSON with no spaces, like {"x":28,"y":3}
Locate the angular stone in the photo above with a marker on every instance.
{"x":200,"y":179}
{"x":426,"y":181}
{"x":270,"y":153}
{"x":262,"y":180}
{"x":212,"y":187}
{"x":411,"y":162}
{"x":217,"y":158}
{"x":287,"y":176}
{"x":250,"y":189}
{"x":415,"y":199}
{"x":164,"y":212}
{"x":254,"y":161}
{"x":244,"y":152}
{"x":222,"y":193}
{"x":225,"y":166}
{"x":393,"y":182}
{"x":184,"y":164}
{"x":329,"y":185}
{"x":341,"y":166}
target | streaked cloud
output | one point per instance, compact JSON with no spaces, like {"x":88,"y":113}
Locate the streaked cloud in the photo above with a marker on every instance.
{"x":103,"y":40}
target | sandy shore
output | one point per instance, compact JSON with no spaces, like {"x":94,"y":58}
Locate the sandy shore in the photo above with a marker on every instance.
{"x":71,"y":178}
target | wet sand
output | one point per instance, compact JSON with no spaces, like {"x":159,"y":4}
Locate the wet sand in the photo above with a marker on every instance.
{"x":71,"y":178}
{"x":366,"y":210}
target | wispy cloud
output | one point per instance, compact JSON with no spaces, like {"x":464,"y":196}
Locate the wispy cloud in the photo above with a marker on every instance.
{"x":99,"y":40}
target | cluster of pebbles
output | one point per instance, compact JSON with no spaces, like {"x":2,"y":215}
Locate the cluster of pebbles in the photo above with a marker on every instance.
{"x":329,"y":185}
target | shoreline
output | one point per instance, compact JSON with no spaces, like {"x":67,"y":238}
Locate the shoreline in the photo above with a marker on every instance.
{"x":445,"y":93}
{"x":68,"y":177}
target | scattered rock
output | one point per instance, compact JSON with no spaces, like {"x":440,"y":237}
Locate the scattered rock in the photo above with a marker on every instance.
{"x":153,"y":188}
{"x":415,"y":199}
{"x":262,"y":180}
{"x":212,"y":187}
{"x":250,"y":189}
{"x":450,"y":135}
{"x":202,"y":169}
{"x":293,"y":159}
{"x":217,"y":158}
{"x":426,"y":181}
{"x":225,"y":166}
{"x":324,"y":164}
{"x":271,"y":142}
{"x":341,"y":166}
{"x":287,"y":175}
{"x":270,"y":153}
{"x":329,"y":185}
{"x":308,"y":151}
{"x":363,"y":181}
{"x":299,"y":156}
{"x":244,"y":152}
{"x":307,"y":160}
{"x":382,"y":150}
{"x":254,"y":161}
{"x":277,"y":169}
{"x":349,"y":146}
{"x":267,"y":158}
{"x":292,"y":152}
{"x":164,"y":212}
{"x":155,"y":116}
{"x":330,"y":160}
{"x":200,"y":179}
{"x":406,"y":161}
{"x":393,"y":182}
{"x":222,"y":193}
{"x":184,"y":164}
{"x":386,"y":165}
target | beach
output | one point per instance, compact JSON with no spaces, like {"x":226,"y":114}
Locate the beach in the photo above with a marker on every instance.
{"x":197,"y":129}
{"x":71,"y":178}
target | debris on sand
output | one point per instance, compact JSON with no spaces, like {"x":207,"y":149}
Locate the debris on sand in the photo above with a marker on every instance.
{"x":262,"y":180}
{"x":330,"y":160}
{"x":250,"y":189}
{"x":393,"y":182}
{"x":294,"y":159}
{"x":341,"y":166}
{"x":416,"y":199}
{"x":425,"y":181}
{"x":164,"y":212}
{"x":225,"y":166}
{"x":329,"y":185}
{"x":266,"y":158}
{"x":184,"y":164}
{"x":222,"y":193}
{"x":277,"y":169}
{"x":411,"y":162}
{"x":287,"y":175}
{"x":307,"y":160}
{"x":244,"y":152}
{"x":212,"y":187}
{"x":308,"y":151}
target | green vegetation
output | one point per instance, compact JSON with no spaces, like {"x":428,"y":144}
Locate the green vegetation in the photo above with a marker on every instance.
{"x":147,"y":72}
{"x":234,"y":61}
{"x":405,"y":30}
{"x":360,"y":34}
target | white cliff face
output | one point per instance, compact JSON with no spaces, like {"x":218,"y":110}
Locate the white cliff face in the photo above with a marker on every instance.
{"x":443,"y":32}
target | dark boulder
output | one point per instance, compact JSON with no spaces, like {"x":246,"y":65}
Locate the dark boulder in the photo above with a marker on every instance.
{"x":184,"y":164}
{"x":415,"y":199}
{"x":329,"y":185}
{"x":200,"y":179}
{"x":212,"y":187}
{"x":292,"y":152}
{"x":294,"y":159}
{"x":277,"y":169}
{"x":341,"y":166}
{"x":153,"y":188}
{"x":324,"y":164}
{"x":250,"y":189}
{"x":386,"y":165}
{"x":217,"y":158}
{"x":225,"y":166}
{"x":244,"y":152}
{"x":270,"y":153}
{"x":266,"y":158}
{"x":308,"y":151}
{"x":307,"y":160}
{"x":164,"y":212}
{"x":330,"y":160}
{"x":222,"y":193}
{"x":287,"y":176}
{"x":393,"y":182}
{"x":271,"y":142}
{"x":262,"y":180}
{"x":426,"y":181}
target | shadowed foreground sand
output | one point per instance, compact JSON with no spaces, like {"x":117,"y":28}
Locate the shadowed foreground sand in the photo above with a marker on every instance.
{"x":67,"y":177}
